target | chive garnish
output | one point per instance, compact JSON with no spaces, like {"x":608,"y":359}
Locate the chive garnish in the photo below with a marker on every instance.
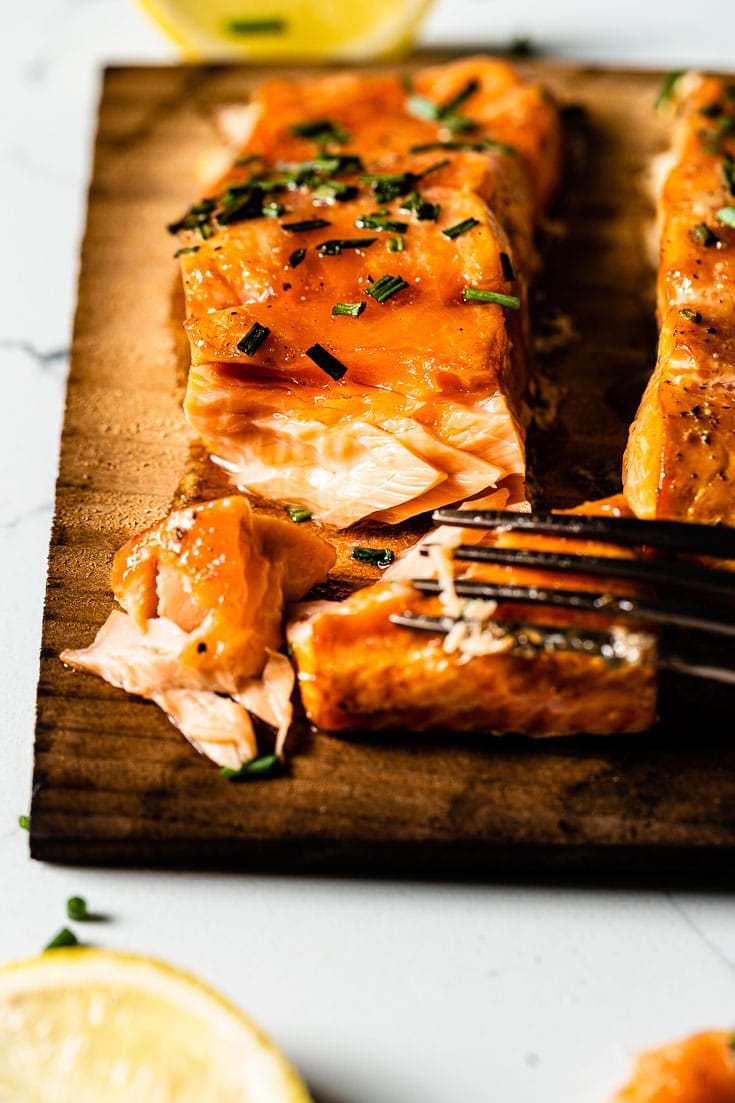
{"x":486,"y":145}
{"x":379,"y":222}
{"x":691,"y":315}
{"x":726,"y":215}
{"x":24,"y":822}
{"x":353,"y":310}
{"x":477,"y":295}
{"x":334,"y":247}
{"x":186,"y":249}
{"x":332,"y":164}
{"x":306,"y":224}
{"x":255,"y":26}
{"x":389,"y":186}
{"x":422,"y":108}
{"x":296,"y":258}
{"x":424,"y":211}
{"x":241,"y":205}
{"x":253,"y":339}
{"x":65,"y":937}
{"x":453,"y":232}
{"x":704,"y":235}
{"x":243,"y":162}
{"x":196,"y":218}
{"x":451,"y":105}
{"x":321,"y":130}
{"x":298,"y":514}
{"x":379,"y":557}
{"x":264,"y":766}
{"x":382,"y":290}
{"x":396,"y":244}
{"x":76,"y":908}
{"x":334,"y":190}
{"x":667,"y":90}
{"x":507,"y":267}
{"x":273,"y":210}
{"x":328,"y":363}
{"x":433,"y":168}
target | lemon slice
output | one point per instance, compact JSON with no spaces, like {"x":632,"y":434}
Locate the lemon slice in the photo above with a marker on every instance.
{"x":88,"y":1026}
{"x":301,"y":29}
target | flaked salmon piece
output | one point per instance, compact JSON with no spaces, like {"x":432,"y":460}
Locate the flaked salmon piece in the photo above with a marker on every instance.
{"x":357,"y":670}
{"x":679,"y":460}
{"x":203,"y":593}
{"x":698,"y":1069}
{"x":346,"y":182}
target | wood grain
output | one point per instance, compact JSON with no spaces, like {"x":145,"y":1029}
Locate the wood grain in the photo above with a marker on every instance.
{"x":115,"y":783}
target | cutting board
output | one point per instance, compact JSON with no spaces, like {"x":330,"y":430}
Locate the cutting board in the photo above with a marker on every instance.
{"x":115,"y":783}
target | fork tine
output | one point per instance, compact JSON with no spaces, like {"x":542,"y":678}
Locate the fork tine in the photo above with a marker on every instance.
{"x":705,"y":580}
{"x":701,"y":618}
{"x":681,"y":537}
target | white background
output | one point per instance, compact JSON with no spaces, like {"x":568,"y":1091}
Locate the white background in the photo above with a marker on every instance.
{"x":381,"y":993}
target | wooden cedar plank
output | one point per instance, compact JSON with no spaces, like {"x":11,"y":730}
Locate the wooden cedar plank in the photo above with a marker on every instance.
{"x":114,"y":782}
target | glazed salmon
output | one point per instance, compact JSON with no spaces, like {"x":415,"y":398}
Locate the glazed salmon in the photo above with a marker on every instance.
{"x":698,"y":1069}
{"x":356,"y":289}
{"x":202,"y":595}
{"x":357,"y":669}
{"x":680,"y":459}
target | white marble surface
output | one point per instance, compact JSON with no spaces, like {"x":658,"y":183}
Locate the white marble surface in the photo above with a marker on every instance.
{"x":382,"y":993}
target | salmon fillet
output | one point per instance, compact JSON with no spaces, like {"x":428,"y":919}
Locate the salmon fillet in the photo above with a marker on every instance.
{"x":680,"y":459}
{"x":202,"y":595}
{"x":699,"y":1069}
{"x":358,"y":670}
{"x":350,"y":189}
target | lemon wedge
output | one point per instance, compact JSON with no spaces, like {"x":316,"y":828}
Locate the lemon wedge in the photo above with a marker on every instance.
{"x":90,"y":1026}
{"x":296,"y":29}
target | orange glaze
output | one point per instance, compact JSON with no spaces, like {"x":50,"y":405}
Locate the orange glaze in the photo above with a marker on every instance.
{"x":699,"y":1069}
{"x":356,"y":669}
{"x":680,"y":459}
{"x":428,"y":408}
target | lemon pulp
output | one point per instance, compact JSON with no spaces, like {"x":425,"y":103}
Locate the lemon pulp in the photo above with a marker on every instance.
{"x":298,"y":29}
{"x":88,"y":1025}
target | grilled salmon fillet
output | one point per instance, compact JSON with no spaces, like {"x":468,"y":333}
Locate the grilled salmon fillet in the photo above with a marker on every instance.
{"x":202,"y":595}
{"x":356,"y":289}
{"x":680,"y":459}
{"x":358,"y":670}
{"x":699,"y":1069}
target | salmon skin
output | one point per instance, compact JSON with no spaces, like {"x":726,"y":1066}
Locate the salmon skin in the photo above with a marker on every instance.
{"x":358,"y":670}
{"x":202,"y":595}
{"x":698,"y":1069}
{"x":338,"y":360}
{"x":680,"y":459}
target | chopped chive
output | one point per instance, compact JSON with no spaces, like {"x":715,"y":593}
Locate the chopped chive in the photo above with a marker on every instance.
{"x":379,"y":557}
{"x":379,"y":222}
{"x":353,"y":310}
{"x":458,"y":124}
{"x":196,"y":218}
{"x":296,"y":258}
{"x":334,"y":190}
{"x":422,"y":108}
{"x":486,"y":145}
{"x":667,"y":90}
{"x":704,"y":235}
{"x":424,"y":211}
{"x":691,"y":315}
{"x":328,"y":363}
{"x":382,"y":290}
{"x":76,"y":908}
{"x":331,"y":164}
{"x":507,"y":267}
{"x":396,"y":244}
{"x":461,"y":228}
{"x":298,"y":514}
{"x":65,"y":937}
{"x":727,"y":216}
{"x":451,"y":105}
{"x":253,"y":339}
{"x":433,"y":168}
{"x":321,"y":130}
{"x":389,"y":186}
{"x":273,"y":210}
{"x":477,"y":295}
{"x":243,"y":162}
{"x":264,"y":766}
{"x":334,"y":247}
{"x":241,"y":206}
{"x":306,"y":224}
{"x":186,"y":249}
{"x":24,"y":822}
{"x":255,"y":26}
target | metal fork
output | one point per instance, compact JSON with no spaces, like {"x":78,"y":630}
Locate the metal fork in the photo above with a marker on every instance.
{"x":691,"y":605}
